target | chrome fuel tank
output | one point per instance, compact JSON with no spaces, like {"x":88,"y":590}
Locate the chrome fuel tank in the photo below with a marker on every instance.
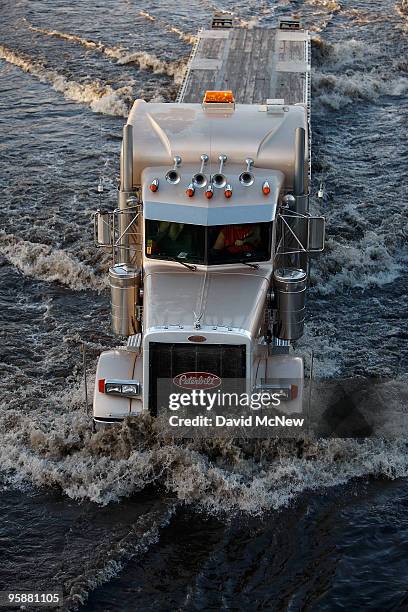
{"x":290,"y":297}
{"x":125,"y":299}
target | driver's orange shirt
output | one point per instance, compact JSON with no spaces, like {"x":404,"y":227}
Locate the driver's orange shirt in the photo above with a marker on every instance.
{"x":236,"y":232}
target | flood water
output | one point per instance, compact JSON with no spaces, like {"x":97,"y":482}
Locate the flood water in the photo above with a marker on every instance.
{"x":124,"y":520}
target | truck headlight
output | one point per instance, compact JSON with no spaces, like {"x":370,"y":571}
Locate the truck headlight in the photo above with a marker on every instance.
{"x":124,"y":388}
{"x":285,"y":393}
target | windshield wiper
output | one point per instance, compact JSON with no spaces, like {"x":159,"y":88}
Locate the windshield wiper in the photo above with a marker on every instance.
{"x":251,"y":265}
{"x":183,"y":263}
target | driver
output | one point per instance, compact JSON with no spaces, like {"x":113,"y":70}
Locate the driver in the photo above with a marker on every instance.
{"x":168,"y":239}
{"x":167,"y":228}
{"x":238,"y":238}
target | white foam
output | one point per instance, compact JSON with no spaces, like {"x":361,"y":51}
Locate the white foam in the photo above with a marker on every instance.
{"x":250,"y":24}
{"x":145,"y":61}
{"x":100,"y":97}
{"x":340,"y":81}
{"x":188,"y":38}
{"x":361,"y":264}
{"x":362,"y":17}
{"x":329,"y":5}
{"x":90,"y":44}
{"x":53,"y":446}
{"x":402,"y":8}
{"x":147,"y":15}
{"x":42,"y":262}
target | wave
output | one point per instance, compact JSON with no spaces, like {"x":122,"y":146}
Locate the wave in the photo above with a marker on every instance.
{"x":321,"y":15}
{"x":250,"y":24}
{"x":145,"y":61}
{"x":336,"y":91}
{"x":338,"y":81}
{"x":100,"y":97}
{"x":89,"y":44}
{"x":359,"y":17}
{"x":347,"y":54}
{"x":187,"y":38}
{"x":109,"y":562}
{"x":402,"y":8}
{"x":42,"y":262}
{"x":53,"y":447}
{"x":360,"y":265}
{"x":364,"y":251}
{"x":329,"y":5}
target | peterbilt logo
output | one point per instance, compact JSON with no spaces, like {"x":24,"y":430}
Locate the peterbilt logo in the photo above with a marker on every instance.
{"x":197,"y":380}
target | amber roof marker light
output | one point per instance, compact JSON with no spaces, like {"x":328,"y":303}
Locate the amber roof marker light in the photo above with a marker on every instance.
{"x":190,"y":190}
{"x":209,"y":192}
{"x":218,"y":97}
{"x":154,"y":185}
{"x":228,"y":191}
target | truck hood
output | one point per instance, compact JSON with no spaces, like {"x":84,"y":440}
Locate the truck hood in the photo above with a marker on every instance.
{"x":214,"y":298}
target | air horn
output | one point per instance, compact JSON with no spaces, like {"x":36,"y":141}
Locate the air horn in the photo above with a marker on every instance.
{"x":219,"y":180}
{"x":200,"y":180}
{"x":172,"y":176}
{"x":247,"y":178}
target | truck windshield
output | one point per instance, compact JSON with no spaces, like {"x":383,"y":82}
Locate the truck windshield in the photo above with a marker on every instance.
{"x":212,"y":245}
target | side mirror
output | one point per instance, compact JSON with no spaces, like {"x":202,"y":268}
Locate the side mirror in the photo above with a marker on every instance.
{"x":103,"y":228}
{"x":316,"y":229}
{"x":301,"y":233}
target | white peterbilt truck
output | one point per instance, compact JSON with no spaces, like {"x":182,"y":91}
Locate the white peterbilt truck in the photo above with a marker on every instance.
{"x":211,"y":242}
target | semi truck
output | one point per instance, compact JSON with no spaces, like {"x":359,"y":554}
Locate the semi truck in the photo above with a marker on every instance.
{"x":212,"y":236}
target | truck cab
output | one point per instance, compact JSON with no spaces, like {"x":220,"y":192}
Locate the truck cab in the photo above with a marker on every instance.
{"x":211,"y":241}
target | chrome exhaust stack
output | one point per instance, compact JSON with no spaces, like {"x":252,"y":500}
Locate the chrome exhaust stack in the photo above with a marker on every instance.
{"x":219,"y":180}
{"x":125,"y":274}
{"x":299,"y":180}
{"x":173,"y":176}
{"x":246,"y":178}
{"x":126,"y":174}
{"x":300,"y":193}
{"x":126,"y":190}
{"x":200,"y":180}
